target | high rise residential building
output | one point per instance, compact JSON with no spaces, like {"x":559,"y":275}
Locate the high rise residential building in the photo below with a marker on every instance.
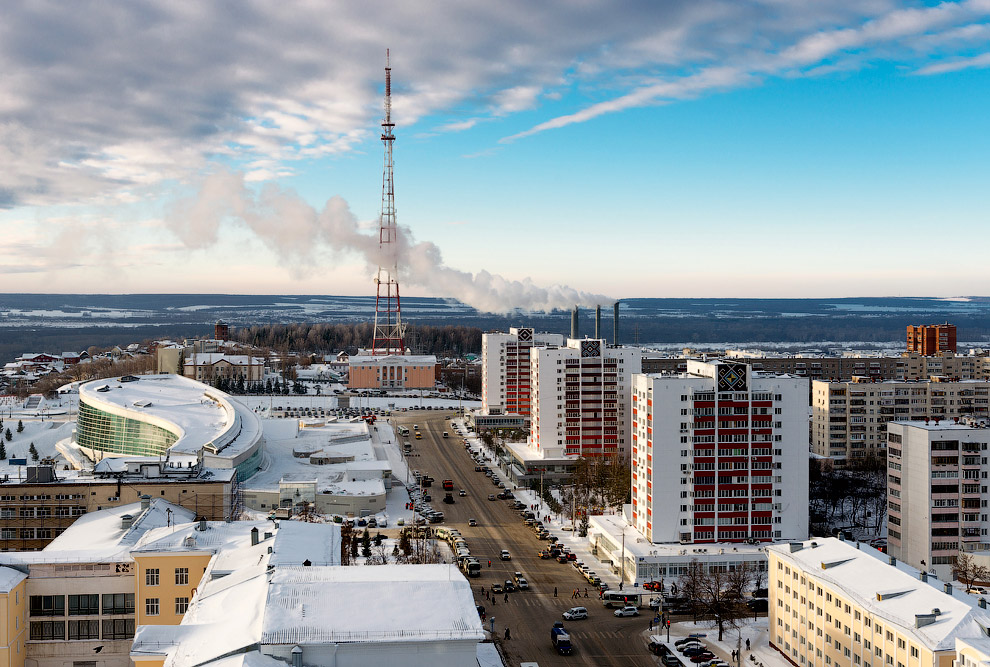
{"x":719,"y":454}
{"x":849,"y":419}
{"x":930,"y":339}
{"x":844,"y":603}
{"x":580,"y":398}
{"x":505,"y":381}
{"x":936,"y":492}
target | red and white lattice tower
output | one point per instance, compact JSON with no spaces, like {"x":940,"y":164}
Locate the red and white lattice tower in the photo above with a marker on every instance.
{"x":388,"y":315}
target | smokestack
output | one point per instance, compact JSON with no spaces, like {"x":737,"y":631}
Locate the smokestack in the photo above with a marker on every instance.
{"x":598,"y":322}
{"x":615,"y":323}
{"x":574,"y":323}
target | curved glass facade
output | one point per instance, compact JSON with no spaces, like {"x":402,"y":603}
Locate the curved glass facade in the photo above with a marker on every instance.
{"x":114,"y":434}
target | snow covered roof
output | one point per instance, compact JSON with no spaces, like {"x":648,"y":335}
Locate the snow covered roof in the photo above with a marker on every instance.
{"x":206,"y":358}
{"x":434,"y":602}
{"x":9,"y":578}
{"x":892,"y":592}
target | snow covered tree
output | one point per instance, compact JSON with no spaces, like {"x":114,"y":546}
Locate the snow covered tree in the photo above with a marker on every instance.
{"x":34,"y":452}
{"x":8,"y":435}
{"x":3,"y":452}
{"x":20,"y":426}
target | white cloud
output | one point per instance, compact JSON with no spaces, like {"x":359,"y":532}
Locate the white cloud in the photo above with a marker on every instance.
{"x":976,"y":62}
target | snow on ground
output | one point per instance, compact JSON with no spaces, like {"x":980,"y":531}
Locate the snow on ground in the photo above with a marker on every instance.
{"x":754,"y":630}
{"x":44,"y":435}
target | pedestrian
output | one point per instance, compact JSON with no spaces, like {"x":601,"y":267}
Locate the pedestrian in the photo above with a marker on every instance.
{"x":585,"y":592}
{"x":507,"y":633}
{"x":506,"y":598}
{"x":651,"y":625}
{"x":747,"y":644}
{"x":489,"y":562}
{"x":494,"y":600}
{"x":555,"y":591}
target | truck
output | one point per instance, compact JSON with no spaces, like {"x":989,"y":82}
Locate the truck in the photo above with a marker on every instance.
{"x":448,"y":485}
{"x":560,"y":639}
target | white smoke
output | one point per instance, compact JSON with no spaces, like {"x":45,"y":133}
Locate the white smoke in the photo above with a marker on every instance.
{"x":301,"y":235}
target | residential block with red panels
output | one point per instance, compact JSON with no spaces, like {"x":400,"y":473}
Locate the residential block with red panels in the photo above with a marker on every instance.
{"x":580,"y":398}
{"x":931,"y":339}
{"x":506,"y":387}
{"x":720,"y":454}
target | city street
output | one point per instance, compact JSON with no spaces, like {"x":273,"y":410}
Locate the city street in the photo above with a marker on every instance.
{"x":601,"y":639}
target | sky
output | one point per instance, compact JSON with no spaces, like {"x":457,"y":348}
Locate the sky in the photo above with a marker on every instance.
{"x":547,"y":154}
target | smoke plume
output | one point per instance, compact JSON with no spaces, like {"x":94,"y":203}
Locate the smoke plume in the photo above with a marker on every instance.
{"x":301,"y":236}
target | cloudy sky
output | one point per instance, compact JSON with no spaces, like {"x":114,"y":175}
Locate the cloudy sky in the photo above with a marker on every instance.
{"x":547,"y":153}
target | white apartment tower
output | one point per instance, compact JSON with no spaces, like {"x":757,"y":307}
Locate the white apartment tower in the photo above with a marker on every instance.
{"x":936,"y":492}
{"x":505,"y":379}
{"x":580,"y":399}
{"x":720,"y":454}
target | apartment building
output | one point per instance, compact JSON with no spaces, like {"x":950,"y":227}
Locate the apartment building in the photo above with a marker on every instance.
{"x":580,"y":398}
{"x":844,"y":603}
{"x":937,"y":492}
{"x":849,"y":419}
{"x":506,"y":386}
{"x":929,"y":339}
{"x":719,"y":454}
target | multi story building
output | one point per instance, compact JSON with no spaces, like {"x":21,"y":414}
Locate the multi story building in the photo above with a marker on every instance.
{"x":843,"y":603}
{"x":719,"y":454}
{"x":208,"y":366}
{"x":936,"y":492}
{"x":393,"y":371}
{"x":37,"y":510}
{"x":505,"y":380}
{"x":930,"y":339}
{"x":849,"y":419}
{"x":580,"y":398}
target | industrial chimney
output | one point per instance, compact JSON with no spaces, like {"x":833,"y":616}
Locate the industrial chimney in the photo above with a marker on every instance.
{"x":598,"y":322}
{"x":615,"y":323}
{"x":574,"y":323}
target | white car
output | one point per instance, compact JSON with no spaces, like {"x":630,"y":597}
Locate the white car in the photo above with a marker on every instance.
{"x":575,"y":613}
{"x":627,"y":611}
{"x":505,"y":555}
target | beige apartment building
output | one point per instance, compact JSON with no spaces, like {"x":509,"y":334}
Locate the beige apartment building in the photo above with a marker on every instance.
{"x":849,"y":419}
{"x":843,"y":603}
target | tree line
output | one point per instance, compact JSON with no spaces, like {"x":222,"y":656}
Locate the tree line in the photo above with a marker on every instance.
{"x":326,"y":338}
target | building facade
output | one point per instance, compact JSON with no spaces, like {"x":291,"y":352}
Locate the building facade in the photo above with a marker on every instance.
{"x":936,"y":492}
{"x":719,"y":454}
{"x":842,"y":603}
{"x":393,"y":372}
{"x":931,"y":339}
{"x":208,"y":366}
{"x":506,"y":386}
{"x":580,"y":398}
{"x":849,"y":419}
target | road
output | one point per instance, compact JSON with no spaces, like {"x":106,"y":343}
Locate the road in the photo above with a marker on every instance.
{"x":601,"y":639}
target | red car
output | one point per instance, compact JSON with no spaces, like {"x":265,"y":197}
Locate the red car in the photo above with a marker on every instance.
{"x":652,"y":586}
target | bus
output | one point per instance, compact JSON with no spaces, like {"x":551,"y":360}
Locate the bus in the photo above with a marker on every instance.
{"x":404,"y":431}
{"x":625,"y":598}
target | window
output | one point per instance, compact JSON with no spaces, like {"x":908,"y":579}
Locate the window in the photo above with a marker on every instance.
{"x":118,"y":603}
{"x":47,"y":630}
{"x":118,"y":628}
{"x":84,"y":629}
{"x":152,"y":607}
{"x":181,"y":576}
{"x":151,"y":576}
{"x":84,"y":605}
{"x":181,"y":605}
{"x":47,"y":605}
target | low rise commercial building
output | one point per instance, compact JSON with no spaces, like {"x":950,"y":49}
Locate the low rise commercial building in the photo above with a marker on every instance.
{"x":394,"y":371}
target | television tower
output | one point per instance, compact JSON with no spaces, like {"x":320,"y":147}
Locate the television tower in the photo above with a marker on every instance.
{"x":389,"y":331}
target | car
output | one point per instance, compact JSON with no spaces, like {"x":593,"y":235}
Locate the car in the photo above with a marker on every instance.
{"x":505,"y":555}
{"x":702,"y":657}
{"x":657,"y":647}
{"x":626,"y":611}
{"x":976,"y":590}
{"x":522,"y":583}
{"x":362,"y":522}
{"x":472,"y":522}
{"x":670,"y":660}
{"x":497,"y":588}
{"x":691,"y":651}
{"x":690,"y":639}
{"x":372,"y":522}
{"x":571,"y":556}
{"x":652,"y":586}
{"x":544,"y":555}
{"x":758,"y":605}
{"x":562,"y":558}
{"x":575,"y":613}
{"x":478,"y":469}
{"x":491,"y":496}
{"x":462,"y":493}
{"x":510,"y":586}
{"x":383,"y":522}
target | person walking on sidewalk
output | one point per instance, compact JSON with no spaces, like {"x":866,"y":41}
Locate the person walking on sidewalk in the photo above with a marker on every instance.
{"x":555,"y":591}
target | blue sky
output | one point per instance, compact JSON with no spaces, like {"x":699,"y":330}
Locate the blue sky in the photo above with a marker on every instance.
{"x":546,"y":154}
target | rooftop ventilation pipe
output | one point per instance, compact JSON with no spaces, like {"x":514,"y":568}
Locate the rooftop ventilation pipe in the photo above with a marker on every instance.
{"x":202,"y":524}
{"x":923,"y":576}
{"x":892,"y":560}
{"x":947,"y":587}
{"x":296,"y":656}
{"x":126,"y":521}
{"x":982,"y":602}
{"x":145,"y":502}
{"x":254,"y":536}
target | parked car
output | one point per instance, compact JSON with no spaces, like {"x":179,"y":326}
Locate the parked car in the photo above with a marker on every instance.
{"x":575,"y":613}
{"x":652,"y":586}
{"x":491,"y":496}
{"x":758,"y":605}
{"x":702,"y":657}
{"x":626,"y":611}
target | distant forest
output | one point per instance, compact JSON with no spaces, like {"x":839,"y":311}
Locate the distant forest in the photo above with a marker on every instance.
{"x":444,"y":340}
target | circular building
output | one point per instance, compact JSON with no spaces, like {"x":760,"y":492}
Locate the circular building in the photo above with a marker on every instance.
{"x":168,"y":415}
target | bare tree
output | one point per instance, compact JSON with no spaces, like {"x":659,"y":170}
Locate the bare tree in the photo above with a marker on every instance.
{"x":968,"y":571}
{"x":717,"y":593}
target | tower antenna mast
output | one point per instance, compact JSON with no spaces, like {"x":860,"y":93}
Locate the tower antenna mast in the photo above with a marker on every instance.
{"x":389,"y":336}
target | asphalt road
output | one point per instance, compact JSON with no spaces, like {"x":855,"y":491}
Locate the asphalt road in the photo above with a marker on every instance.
{"x":601,"y":639}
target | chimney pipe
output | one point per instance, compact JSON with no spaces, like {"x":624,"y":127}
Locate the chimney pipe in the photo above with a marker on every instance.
{"x":126,"y":521}
{"x":145,"y":502}
{"x":892,"y":560}
{"x":296,"y":656}
{"x":598,"y":322}
{"x":615,"y":323}
{"x":923,"y":575}
{"x":947,"y":588}
{"x":254,"y":536}
{"x":202,"y":524}
{"x":982,"y":602}
{"x":574,"y":323}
